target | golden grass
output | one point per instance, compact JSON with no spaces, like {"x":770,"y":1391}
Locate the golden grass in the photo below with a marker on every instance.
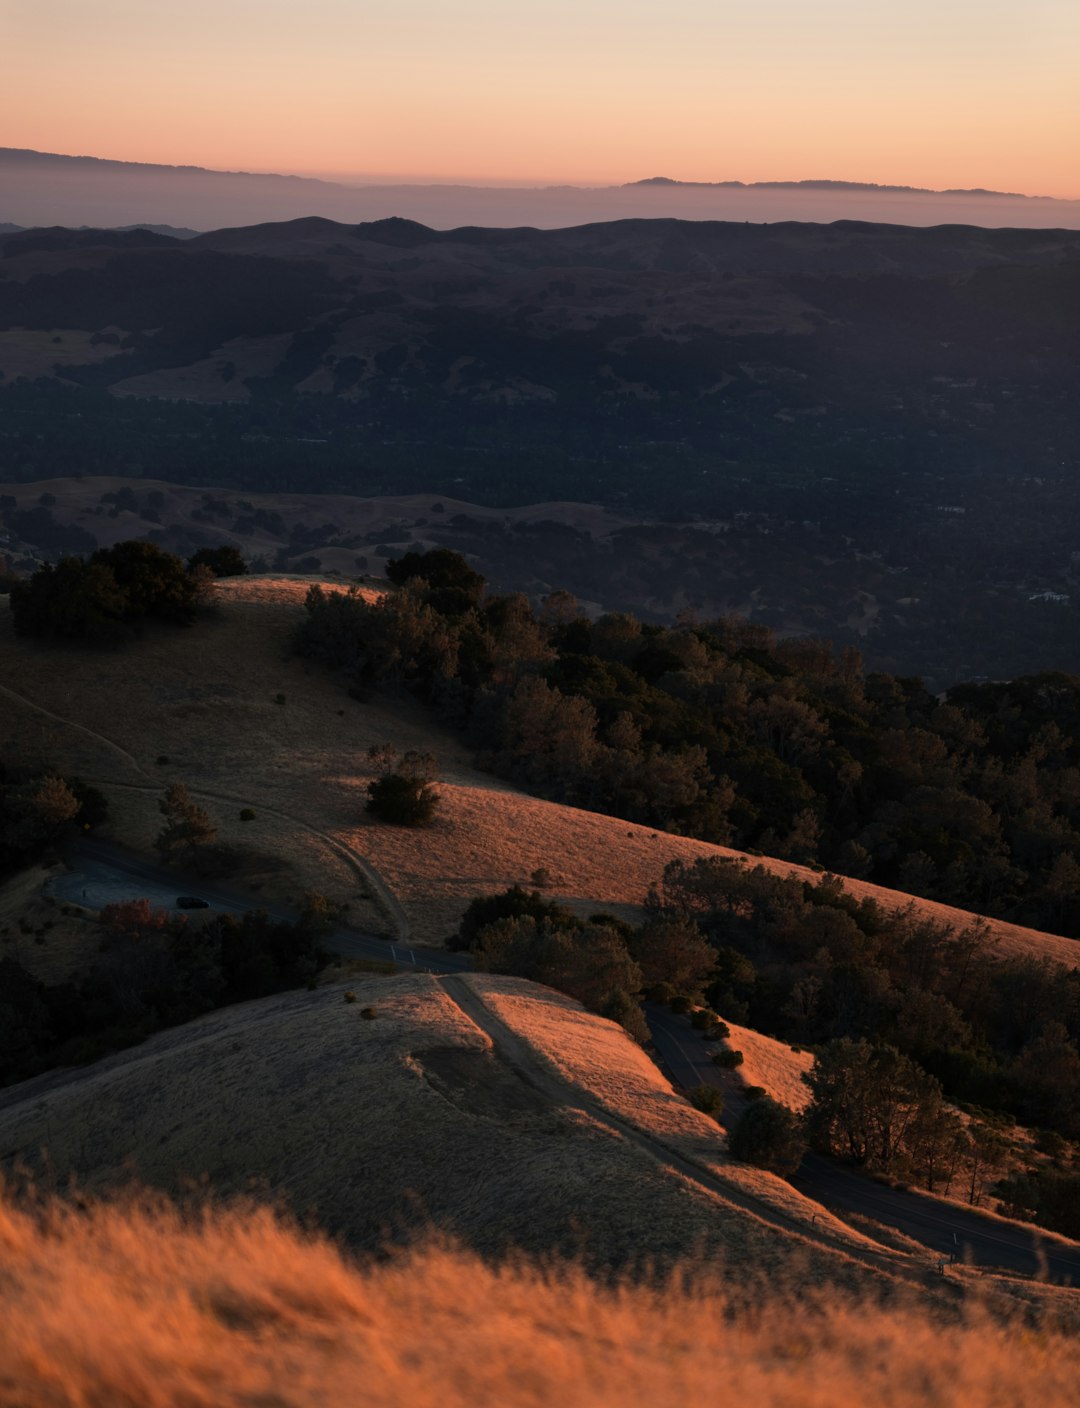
{"x":772,"y":1065}
{"x":205,"y":698}
{"x":395,"y":1125}
{"x":140,"y":1305}
{"x":593,"y":1056}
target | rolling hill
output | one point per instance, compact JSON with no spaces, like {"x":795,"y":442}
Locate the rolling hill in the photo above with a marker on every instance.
{"x":202,"y":708}
{"x":853,"y":430}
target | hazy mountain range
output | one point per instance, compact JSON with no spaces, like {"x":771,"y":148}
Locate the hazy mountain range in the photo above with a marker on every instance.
{"x":863,"y":431}
{"x":43,"y":188}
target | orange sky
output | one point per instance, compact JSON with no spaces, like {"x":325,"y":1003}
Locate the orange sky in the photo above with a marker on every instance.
{"x":949,"y":93}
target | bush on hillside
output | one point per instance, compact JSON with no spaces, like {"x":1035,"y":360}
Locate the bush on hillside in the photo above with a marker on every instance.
{"x":708,"y":1099}
{"x":222,"y":562}
{"x":513,"y":903}
{"x":768,"y":1135}
{"x":403,"y":794}
{"x":402,"y":801}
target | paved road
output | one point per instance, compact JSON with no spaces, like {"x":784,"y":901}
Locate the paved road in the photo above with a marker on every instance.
{"x":944,"y":1227}
{"x":102,"y":873}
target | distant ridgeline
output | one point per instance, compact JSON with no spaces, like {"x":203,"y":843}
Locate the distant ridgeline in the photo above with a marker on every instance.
{"x":717,"y":730}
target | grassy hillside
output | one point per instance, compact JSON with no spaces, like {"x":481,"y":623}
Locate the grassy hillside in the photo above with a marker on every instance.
{"x":206,"y":701}
{"x":141,"y":1305}
{"x":445,"y":1110}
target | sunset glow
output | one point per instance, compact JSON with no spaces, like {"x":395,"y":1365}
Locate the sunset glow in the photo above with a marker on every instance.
{"x":963,"y":94}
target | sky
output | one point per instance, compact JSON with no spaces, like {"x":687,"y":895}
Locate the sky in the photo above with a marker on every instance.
{"x":938,"y":93}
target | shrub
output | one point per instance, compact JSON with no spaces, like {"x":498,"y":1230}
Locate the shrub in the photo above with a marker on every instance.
{"x":680,"y":1003}
{"x":222,"y":562}
{"x":768,"y":1135}
{"x":247,"y":814}
{"x":514,"y":903}
{"x":661,"y":992}
{"x":368,"y":1013}
{"x":350,"y":996}
{"x":620,"y":1007}
{"x":279,"y":698}
{"x":703,"y":1018}
{"x":754,"y":1092}
{"x":541,"y":877}
{"x":727,"y":1060}
{"x":708,"y":1099}
{"x":402,"y":801}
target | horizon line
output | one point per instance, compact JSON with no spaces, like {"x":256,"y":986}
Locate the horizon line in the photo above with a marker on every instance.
{"x":390,"y":180}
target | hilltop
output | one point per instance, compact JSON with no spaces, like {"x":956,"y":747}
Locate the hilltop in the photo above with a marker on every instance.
{"x":201,"y":707}
{"x":489,"y":1109}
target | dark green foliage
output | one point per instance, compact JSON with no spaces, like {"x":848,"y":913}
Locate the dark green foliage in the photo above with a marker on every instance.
{"x":811,"y":963}
{"x":620,"y":1007}
{"x":590,"y":962}
{"x":702,"y":1018}
{"x":402,"y":801}
{"x":514,"y":903}
{"x":719,"y":731}
{"x":768,"y":1135}
{"x":452,"y":587}
{"x":152,"y":971}
{"x":874,"y":1106}
{"x":1050,"y":1197}
{"x":369,"y":1013}
{"x":100,"y":599}
{"x":728,"y":1059}
{"x":187,"y":827}
{"x":707,"y":1098}
{"x":247,"y":814}
{"x":223,"y":561}
{"x":519,"y":933}
{"x":37,"y":809}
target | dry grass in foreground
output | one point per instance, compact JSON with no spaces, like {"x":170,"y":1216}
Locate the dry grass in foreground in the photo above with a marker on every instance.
{"x":141,"y":1306}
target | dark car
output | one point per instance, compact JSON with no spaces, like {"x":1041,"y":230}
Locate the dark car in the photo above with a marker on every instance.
{"x":191,"y":902}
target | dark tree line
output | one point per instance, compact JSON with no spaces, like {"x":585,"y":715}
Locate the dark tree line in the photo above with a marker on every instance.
{"x":37,"y":808}
{"x":105,"y":597}
{"x":813,"y":965}
{"x":153,"y":971}
{"x":718,"y":730}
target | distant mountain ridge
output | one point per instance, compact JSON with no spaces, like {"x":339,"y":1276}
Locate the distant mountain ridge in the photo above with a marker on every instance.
{"x":828,"y":185}
{"x":50,"y":188}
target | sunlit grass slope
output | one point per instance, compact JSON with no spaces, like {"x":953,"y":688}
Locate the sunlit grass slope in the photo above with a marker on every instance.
{"x":245,"y":723}
{"x":142,"y":1306}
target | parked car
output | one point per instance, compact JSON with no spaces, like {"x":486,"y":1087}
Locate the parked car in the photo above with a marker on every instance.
{"x":191,"y":902}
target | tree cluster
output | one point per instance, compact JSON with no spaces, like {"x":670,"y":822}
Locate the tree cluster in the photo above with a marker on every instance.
{"x":37,"y":809}
{"x":104,"y":597}
{"x":811,"y":964}
{"x":152,"y":971}
{"x":402,"y":793}
{"x":719,"y":731}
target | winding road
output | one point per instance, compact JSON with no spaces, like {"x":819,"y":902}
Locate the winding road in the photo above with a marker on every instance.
{"x":101,"y":872}
{"x":944,"y":1227}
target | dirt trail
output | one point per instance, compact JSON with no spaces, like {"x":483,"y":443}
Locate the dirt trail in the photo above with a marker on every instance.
{"x":519,"y":1055}
{"x":360,"y":866}
{"x":70,"y":723}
